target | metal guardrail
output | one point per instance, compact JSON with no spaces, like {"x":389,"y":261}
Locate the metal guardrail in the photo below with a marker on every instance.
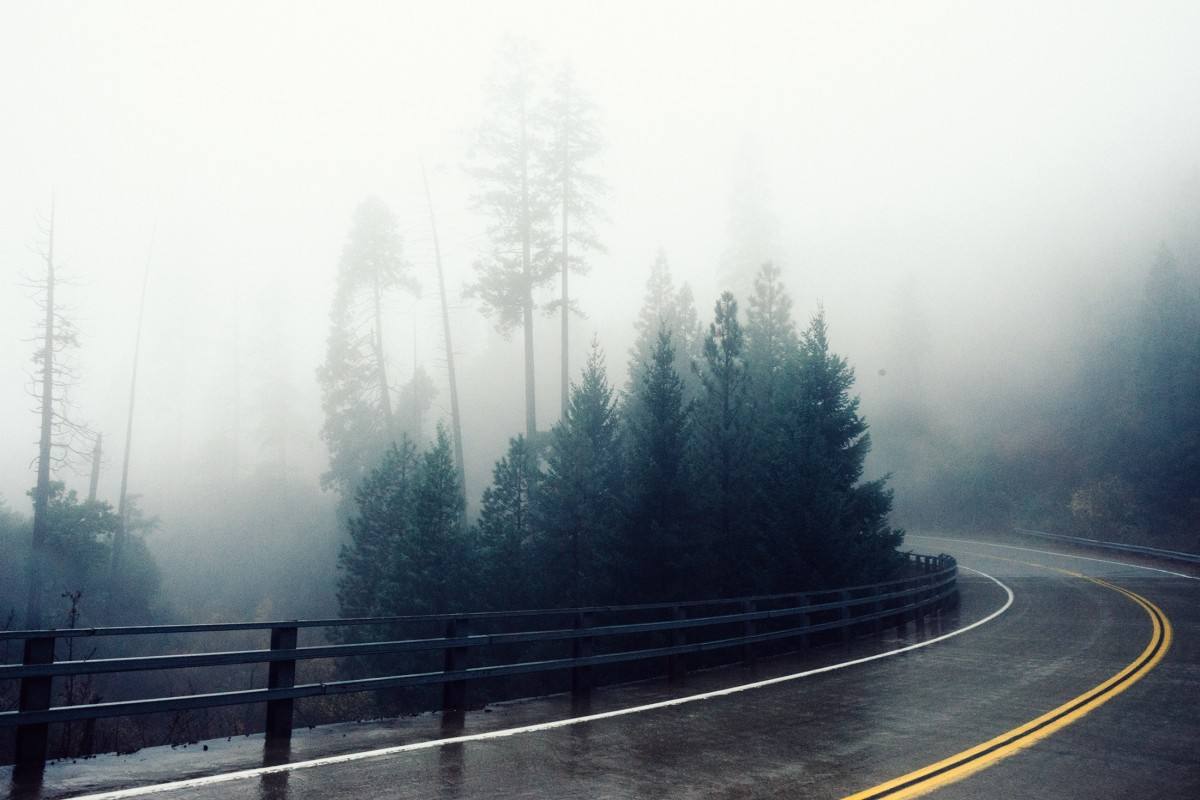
{"x":897,"y":602}
{"x":1174,"y":555}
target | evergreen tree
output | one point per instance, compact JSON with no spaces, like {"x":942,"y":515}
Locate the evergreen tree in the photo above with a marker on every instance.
{"x":355,"y":393}
{"x":722,"y":455}
{"x":664,"y":307}
{"x":513,"y":194}
{"x":575,"y":190}
{"x":79,"y":541}
{"x":688,"y":339}
{"x":431,"y":567}
{"x":771,"y":341}
{"x":384,"y":518}
{"x":773,"y":350}
{"x":1161,"y":454}
{"x":505,"y":529}
{"x":657,"y":555}
{"x":579,"y":502}
{"x":841,"y":530}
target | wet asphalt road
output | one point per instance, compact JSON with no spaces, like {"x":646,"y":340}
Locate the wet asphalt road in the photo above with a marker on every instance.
{"x":833,"y":734}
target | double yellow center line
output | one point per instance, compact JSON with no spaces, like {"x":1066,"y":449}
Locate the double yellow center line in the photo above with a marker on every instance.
{"x":981,"y":756}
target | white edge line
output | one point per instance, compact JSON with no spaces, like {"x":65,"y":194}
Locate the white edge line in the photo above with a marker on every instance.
{"x":192,"y":783}
{"x":1052,"y":553}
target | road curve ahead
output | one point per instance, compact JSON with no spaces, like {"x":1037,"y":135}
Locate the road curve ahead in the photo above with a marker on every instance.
{"x":1086,"y":686}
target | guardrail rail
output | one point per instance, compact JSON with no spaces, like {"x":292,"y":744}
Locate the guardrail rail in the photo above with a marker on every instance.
{"x":1173,"y":555}
{"x":895,"y":602}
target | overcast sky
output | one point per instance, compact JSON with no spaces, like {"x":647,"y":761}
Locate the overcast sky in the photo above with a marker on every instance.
{"x":997,"y":156}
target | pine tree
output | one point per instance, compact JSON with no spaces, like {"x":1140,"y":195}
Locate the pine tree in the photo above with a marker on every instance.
{"x":842,"y":532}
{"x":579,"y":502}
{"x":657,"y":553}
{"x":431,"y":568}
{"x":722,"y":455}
{"x":505,"y":529}
{"x":384,"y":518}
{"x":355,"y":393}
{"x":771,"y":340}
{"x":575,"y":190}
{"x":513,"y":194}
{"x":664,"y":307}
{"x":773,"y":350}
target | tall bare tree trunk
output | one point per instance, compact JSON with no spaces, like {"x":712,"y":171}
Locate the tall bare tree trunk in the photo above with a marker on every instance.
{"x":526,"y":246}
{"x":566,"y":298}
{"x":118,"y":552}
{"x":455,"y":420}
{"x":235,"y":466}
{"x":41,"y":494}
{"x":97,"y":451}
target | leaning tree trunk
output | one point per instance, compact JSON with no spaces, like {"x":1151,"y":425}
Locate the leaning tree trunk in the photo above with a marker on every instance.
{"x":114,"y":587}
{"x":455,"y":419}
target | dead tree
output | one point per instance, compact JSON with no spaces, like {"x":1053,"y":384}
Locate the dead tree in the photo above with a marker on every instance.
{"x":53,"y":379}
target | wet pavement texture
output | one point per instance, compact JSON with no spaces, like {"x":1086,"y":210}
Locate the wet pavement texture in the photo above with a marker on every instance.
{"x":824,"y":735}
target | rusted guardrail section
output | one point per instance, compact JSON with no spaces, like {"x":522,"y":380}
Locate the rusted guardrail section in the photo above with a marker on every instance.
{"x":853,"y":608}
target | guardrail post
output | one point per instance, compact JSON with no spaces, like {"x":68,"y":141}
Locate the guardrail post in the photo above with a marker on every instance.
{"x":844,"y":615}
{"x":281,"y":675}
{"x":676,"y":665}
{"x":923,"y":598}
{"x":454,"y":693}
{"x":749,"y":628}
{"x":805,"y":620}
{"x":35,"y":695}
{"x":581,"y":676}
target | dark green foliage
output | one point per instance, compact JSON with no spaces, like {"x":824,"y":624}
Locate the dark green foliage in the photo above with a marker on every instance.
{"x":723,"y":457}
{"x":840,"y":524}
{"x":430,"y":569}
{"x":408,"y":550}
{"x":657,"y":554}
{"x":383,"y":519}
{"x":78,"y":556}
{"x":578,"y":504}
{"x":505,"y":530}
{"x":753,"y":487}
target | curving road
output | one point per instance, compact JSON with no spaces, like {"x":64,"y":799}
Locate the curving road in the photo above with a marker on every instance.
{"x":1075,"y":688}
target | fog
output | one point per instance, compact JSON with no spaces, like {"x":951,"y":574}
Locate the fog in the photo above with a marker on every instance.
{"x":964,"y":188}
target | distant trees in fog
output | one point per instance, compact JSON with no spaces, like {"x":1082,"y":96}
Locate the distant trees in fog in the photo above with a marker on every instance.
{"x":531,"y":164}
{"x":360,"y":421}
{"x":751,"y":485}
{"x":1123,"y":459}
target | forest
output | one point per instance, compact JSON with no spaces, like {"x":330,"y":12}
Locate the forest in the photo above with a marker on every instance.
{"x":514,"y":337}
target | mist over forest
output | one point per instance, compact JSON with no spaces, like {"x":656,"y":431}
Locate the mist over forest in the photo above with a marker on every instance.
{"x":962,"y":246}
